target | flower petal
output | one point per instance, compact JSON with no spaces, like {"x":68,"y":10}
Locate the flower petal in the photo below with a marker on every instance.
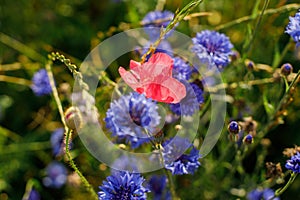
{"x":130,"y":78}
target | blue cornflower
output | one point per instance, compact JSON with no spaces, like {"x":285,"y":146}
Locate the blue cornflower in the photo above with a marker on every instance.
{"x":40,"y":83}
{"x":128,"y":116}
{"x":157,"y":185}
{"x":190,"y":103}
{"x":154,"y":21}
{"x":212,"y":48}
{"x":293,"y":28}
{"x":56,"y":141}
{"x":294,"y":163}
{"x":176,"y":161}
{"x":123,"y":186}
{"x":266,"y":194}
{"x":56,"y":175}
{"x":181,"y":69}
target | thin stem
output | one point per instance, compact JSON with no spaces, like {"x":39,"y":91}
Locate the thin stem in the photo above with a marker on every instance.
{"x":170,"y":178}
{"x":249,"y":46}
{"x":245,"y":83}
{"x":15,"y":80}
{"x":282,"y":54}
{"x":286,"y":8}
{"x":55,"y":93}
{"x":291,"y":180}
{"x":11,"y":42}
{"x":73,"y":165}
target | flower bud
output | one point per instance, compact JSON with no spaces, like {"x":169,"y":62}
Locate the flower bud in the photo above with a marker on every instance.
{"x":73,"y":118}
{"x":248,"y":139}
{"x":233,"y":127}
{"x":286,"y":69}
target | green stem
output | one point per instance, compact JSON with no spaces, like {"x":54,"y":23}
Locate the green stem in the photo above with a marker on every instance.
{"x":283,"y":53}
{"x":249,"y":45}
{"x":73,"y":165}
{"x":55,"y":93}
{"x":170,"y":178}
{"x":291,"y":180}
{"x":286,"y":8}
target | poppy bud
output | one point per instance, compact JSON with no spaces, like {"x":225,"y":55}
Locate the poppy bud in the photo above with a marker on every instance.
{"x":73,"y":118}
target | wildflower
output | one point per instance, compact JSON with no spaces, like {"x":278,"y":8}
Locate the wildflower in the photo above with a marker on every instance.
{"x":157,"y":185}
{"x":154,"y":21}
{"x":154,"y":79}
{"x":41,"y":83}
{"x":128,"y":116}
{"x":286,"y":69}
{"x":293,"y":28}
{"x":190,"y":103}
{"x":56,"y":175}
{"x":125,"y":186}
{"x":212,"y":48}
{"x":234,"y":127}
{"x":181,"y":70}
{"x":294,"y":163}
{"x":258,"y":194}
{"x":176,"y":161}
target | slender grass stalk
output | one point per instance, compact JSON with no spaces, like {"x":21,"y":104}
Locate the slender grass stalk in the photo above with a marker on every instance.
{"x":248,"y":45}
{"x":15,"y":80}
{"x":271,"y":11}
{"x":15,"y":44}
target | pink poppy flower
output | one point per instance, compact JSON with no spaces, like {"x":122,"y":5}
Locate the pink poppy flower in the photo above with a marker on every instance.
{"x":154,"y":79}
